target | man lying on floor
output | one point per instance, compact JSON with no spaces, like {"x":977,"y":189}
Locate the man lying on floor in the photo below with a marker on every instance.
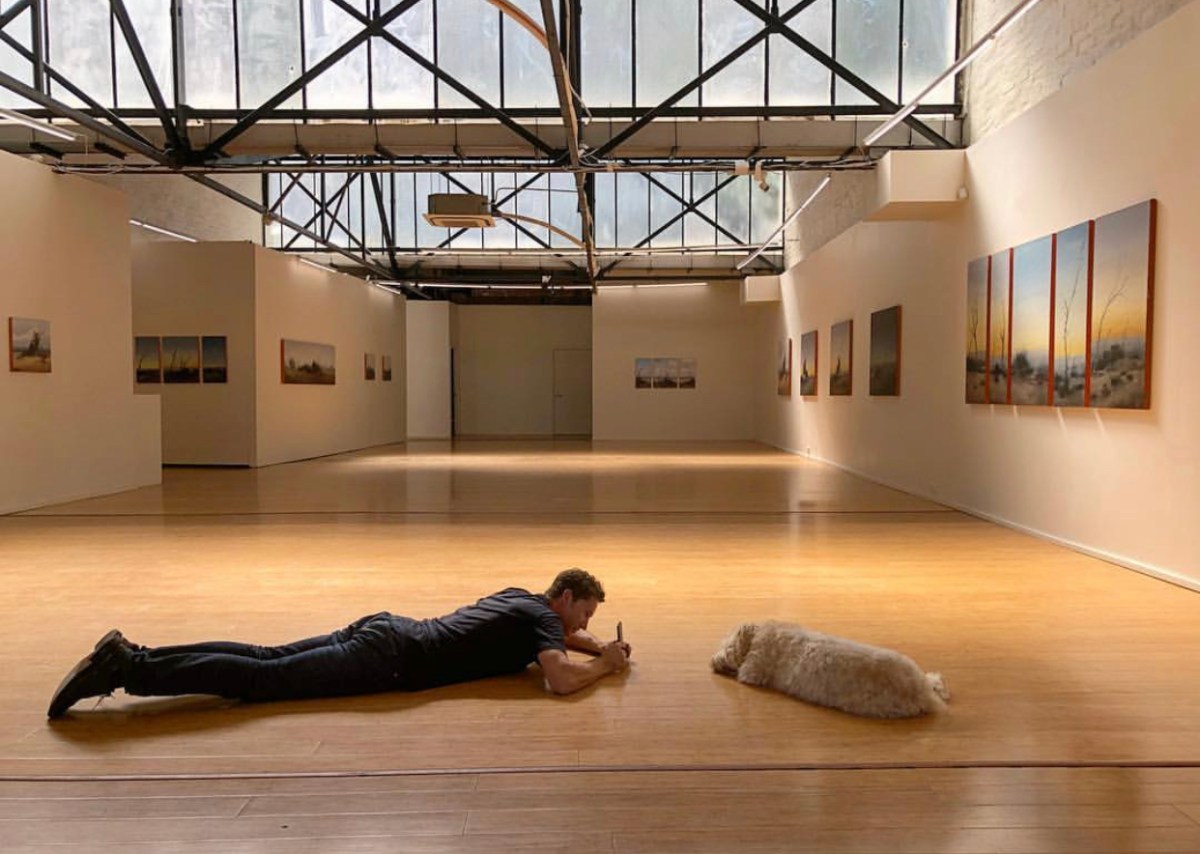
{"x":502,"y":633}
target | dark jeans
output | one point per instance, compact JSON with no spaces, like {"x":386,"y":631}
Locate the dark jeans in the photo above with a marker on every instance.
{"x":366,"y":657}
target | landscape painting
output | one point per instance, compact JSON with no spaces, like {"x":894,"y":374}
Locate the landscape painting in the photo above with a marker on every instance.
{"x":977,"y":307}
{"x":885,"y":352}
{"x":147,"y":359}
{"x":181,"y":359}
{"x":666,"y":373}
{"x":643,"y":373}
{"x":1031,"y":301}
{"x":306,"y":363}
{"x":368,"y":366}
{"x":214,"y":359}
{"x":808,"y":363}
{"x":386,"y":366}
{"x":999,"y":293}
{"x":841,"y":355}
{"x":1122,"y":297}
{"x":687,"y":373}
{"x":1072,"y":253}
{"x":28,"y":345}
{"x":783,"y":369}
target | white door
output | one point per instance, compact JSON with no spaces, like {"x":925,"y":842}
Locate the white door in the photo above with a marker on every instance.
{"x":572,"y":392}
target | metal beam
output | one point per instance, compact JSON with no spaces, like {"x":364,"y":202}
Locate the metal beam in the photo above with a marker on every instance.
{"x":388,"y":238}
{"x":143,"y":67}
{"x":494,"y":112}
{"x":779,"y":26}
{"x":566,"y":103}
{"x":11,"y":15}
{"x":373,"y":26}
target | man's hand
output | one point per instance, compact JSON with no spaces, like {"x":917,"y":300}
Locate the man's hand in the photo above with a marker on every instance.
{"x":615,"y":655}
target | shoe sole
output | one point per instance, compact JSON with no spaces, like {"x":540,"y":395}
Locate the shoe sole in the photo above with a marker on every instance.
{"x":83,"y":663}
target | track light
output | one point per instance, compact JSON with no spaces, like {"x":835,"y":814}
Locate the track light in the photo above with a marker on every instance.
{"x":760,"y":250}
{"x":160,"y":230}
{"x":39,"y":126}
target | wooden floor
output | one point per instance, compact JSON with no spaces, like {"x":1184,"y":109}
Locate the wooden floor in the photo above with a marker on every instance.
{"x":1074,"y":727}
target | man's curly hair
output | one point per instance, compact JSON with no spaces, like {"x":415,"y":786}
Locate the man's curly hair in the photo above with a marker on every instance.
{"x":582,"y":584}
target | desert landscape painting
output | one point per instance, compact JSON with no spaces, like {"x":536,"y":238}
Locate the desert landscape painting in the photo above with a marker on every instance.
{"x":1000,"y":282}
{"x":1030,"y":368}
{"x":841,"y":356}
{"x":1122,"y":294}
{"x":1072,"y":261}
{"x":977,"y":314}
{"x":643,"y":373}
{"x":214,"y":359}
{"x":29,"y":345}
{"x":306,"y":363}
{"x":808,"y":363}
{"x":783,"y":368}
{"x":885,"y":352}
{"x":181,"y":359}
{"x":147,"y":359}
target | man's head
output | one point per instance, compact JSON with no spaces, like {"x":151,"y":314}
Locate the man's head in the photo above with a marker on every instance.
{"x":574,"y":595}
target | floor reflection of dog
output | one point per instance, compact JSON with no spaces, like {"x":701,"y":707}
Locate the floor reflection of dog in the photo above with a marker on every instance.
{"x":830,"y":671}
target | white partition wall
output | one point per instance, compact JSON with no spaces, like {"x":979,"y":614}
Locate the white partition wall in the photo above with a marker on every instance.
{"x":428,"y":369}
{"x":78,"y":430}
{"x":707,"y":323}
{"x":1118,"y":483}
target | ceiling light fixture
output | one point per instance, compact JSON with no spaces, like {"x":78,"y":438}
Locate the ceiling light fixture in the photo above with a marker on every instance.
{"x":160,"y":230}
{"x":321,"y":267}
{"x":760,"y":250}
{"x":39,"y":126}
{"x":967,"y":58}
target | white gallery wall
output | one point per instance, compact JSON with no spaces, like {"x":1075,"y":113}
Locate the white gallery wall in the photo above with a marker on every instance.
{"x":504,"y":364}
{"x":428,"y":369}
{"x":303,"y":303}
{"x":1120,"y":484}
{"x":79,"y":430}
{"x":706,"y":323}
{"x":197,"y":289}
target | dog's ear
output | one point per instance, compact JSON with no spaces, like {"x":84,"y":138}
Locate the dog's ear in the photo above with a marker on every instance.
{"x":735,"y":649}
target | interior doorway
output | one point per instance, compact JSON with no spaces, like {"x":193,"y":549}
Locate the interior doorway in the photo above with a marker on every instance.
{"x":572,"y":392}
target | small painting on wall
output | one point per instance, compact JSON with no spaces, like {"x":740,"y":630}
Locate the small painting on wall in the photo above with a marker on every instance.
{"x":368,"y":366}
{"x":1122,"y":296}
{"x":1072,"y":263}
{"x":783,"y":368}
{"x":1031,"y":301}
{"x":306,"y":363}
{"x":643,"y":373}
{"x":885,"y":352}
{"x":999,"y":288}
{"x":385,"y":363}
{"x":181,"y":359}
{"x":977,"y":314}
{"x":28,"y":345}
{"x":841,"y":358}
{"x":666,"y":373}
{"x":147,"y":359}
{"x":214,"y":359}
{"x":687,"y":373}
{"x":808,"y":363}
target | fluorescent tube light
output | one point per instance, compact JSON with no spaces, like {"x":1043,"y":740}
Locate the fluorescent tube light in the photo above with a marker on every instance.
{"x":966,"y":59}
{"x":161,"y":230}
{"x":760,"y":250}
{"x":604,"y":287}
{"x":39,"y":126}
{"x":321,"y":267}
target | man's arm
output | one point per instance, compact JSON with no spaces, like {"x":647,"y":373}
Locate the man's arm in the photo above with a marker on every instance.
{"x":585,"y":641}
{"x":565,"y":676}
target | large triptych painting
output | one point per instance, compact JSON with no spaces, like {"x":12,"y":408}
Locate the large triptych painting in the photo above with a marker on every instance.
{"x":1122,"y":293}
{"x":841,"y":358}
{"x":1069,"y":316}
{"x":1029,"y":369}
{"x":977,"y":321}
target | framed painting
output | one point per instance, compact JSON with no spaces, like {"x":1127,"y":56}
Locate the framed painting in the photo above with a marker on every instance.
{"x":307,"y":363}
{"x":1029,"y":370}
{"x":783,"y":368}
{"x":1122,"y":301}
{"x":643,"y":373}
{"x":368,"y":366}
{"x":885,"y":352}
{"x":29,"y":345}
{"x":841,"y":359}
{"x":181,"y":359}
{"x":977,"y":312}
{"x":1072,"y":273}
{"x":687,"y":373}
{"x":666,"y":373}
{"x":214,"y":359}
{"x":808,"y":363}
{"x":147,"y":359}
{"x":385,"y":365}
{"x":999,"y":306}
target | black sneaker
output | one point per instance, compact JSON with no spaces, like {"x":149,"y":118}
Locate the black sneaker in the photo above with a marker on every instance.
{"x":96,"y":674}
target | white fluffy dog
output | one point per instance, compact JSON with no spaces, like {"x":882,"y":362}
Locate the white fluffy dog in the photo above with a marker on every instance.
{"x":830,"y":671}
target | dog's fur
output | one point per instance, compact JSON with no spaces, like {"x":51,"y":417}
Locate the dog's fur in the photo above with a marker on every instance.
{"x":830,"y":671}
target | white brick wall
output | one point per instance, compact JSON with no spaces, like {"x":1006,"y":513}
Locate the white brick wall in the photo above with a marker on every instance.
{"x":1054,"y":41}
{"x":848,"y":198}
